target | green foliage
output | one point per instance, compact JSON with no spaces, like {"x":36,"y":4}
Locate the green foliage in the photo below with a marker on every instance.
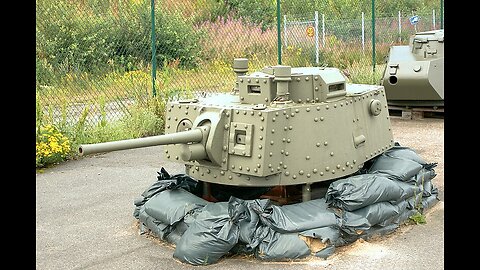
{"x":51,"y":146}
{"x":95,"y":38}
{"x":260,"y":12}
{"x":418,"y":218}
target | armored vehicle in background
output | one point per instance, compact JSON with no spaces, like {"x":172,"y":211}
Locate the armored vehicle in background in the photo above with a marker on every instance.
{"x":414,"y":73}
{"x":279,"y":126}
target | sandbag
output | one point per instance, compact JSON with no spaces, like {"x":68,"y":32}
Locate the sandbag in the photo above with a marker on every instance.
{"x":212,"y":234}
{"x":281,"y":246}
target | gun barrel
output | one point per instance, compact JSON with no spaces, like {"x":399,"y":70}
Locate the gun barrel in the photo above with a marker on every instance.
{"x":194,"y":136}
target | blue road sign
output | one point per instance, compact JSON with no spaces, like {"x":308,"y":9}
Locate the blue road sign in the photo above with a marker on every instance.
{"x":414,"y":19}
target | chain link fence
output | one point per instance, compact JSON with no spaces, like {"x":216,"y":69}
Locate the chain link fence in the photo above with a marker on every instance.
{"x":94,"y":57}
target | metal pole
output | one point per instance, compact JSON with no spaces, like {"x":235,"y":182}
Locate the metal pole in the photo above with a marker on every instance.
{"x":316,"y":38}
{"x":285,"y":30}
{"x":441,"y":14}
{"x":373,"y":34}
{"x":399,"y":27}
{"x":279,"y":37}
{"x":323,"y":31}
{"x":433,"y":18}
{"x":363,"y":32}
{"x":154,"y":49}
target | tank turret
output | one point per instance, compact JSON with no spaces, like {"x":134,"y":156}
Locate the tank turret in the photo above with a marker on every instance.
{"x":414,"y":73}
{"x":280,"y":126}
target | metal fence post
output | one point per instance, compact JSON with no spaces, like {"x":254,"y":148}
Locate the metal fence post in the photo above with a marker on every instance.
{"x":316,"y":38}
{"x":399,"y":27}
{"x":433,"y":19}
{"x":373,"y":35}
{"x":279,"y":42}
{"x":441,"y":14}
{"x":154,"y":58}
{"x":285,"y":30}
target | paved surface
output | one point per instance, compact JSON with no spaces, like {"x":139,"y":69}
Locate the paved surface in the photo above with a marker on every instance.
{"x":84,"y":216}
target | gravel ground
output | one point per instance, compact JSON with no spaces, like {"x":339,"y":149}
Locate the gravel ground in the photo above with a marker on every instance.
{"x":84,"y":216}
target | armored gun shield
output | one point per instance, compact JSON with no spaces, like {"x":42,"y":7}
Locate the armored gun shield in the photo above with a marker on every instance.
{"x":414,"y":74}
{"x":279,"y":126}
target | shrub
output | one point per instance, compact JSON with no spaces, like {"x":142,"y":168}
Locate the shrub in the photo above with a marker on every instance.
{"x":51,"y":146}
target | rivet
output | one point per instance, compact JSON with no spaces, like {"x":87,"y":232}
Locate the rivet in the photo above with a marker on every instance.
{"x":306,"y":79}
{"x":315,"y":78}
{"x":259,"y":156}
{"x":283,"y":139}
{"x":297,"y":110}
{"x":244,"y":112}
{"x":222,"y":173}
{"x":351,"y":166}
{"x":224,"y":148}
{"x":335,"y":105}
{"x":233,"y":166}
{"x":315,"y":170}
{"x":166,"y":150}
{"x":261,"y":137}
{"x":266,"y":99}
{"x":261,"y":128}
{"x":255,"y":170}
{"x":248,"y":169}
{"x":318,"y":144}
{"x":294,"y":176}
{"x":321,"y":173}
{"x":347,"y":163}
{"x":343,"y":168}
{"x":168,"y":118}
{"x":278,"y":168}
{"x":308,"y":109}
{"x":273,"y":130}
{"x":333,"y":171}
{"x":308,"y":175}
{"x":321,"y":118}
{"x":300,"y":172}
{"x":242,"y":98}
{"x":307,"y":157}
{"x":240,"y":167}
{"x":276,"y":113}
{"x":172,"y":105}
{"x":299,"y":100}
{"x":286,"y":154}
{"x":331,"y":154}
{"x":270,"y":154}
{"x":168,"y":126}
{"x":285,"y":128}
{"x":316,"y":88}
{"x":226,"y":126}
{"x":338,"y":166}
{"x":176,"y":157}
{"x":241,"y":80}
{"x":168,"y":156}
{"x":327,"y":168}
{"x":285,"y":166}
{"x":318,"y":108}
{"x":224,"y":160}
{"x":260,"y":146}
{"x":354,"y":161}
{"x":271,"y":171}
{"x":179,"y":106}
{"x":290,"y":127}
{"x":262,"y":118}
{"x":271,"y":142}
{"x":269,"y":165}
{"x":230,"y":177}
{"x":326,"y":107}
{"x":264,"y":81}
{"x":287,"y":173}
{"x":288,"y":140}
{"x":284,"y":112}
{"x":256,"y":80}
{"x":292,"y":114}
{"x":258,"y":165}
{"x":214,"y":176}
{"x":315,"y":119}
{"x":325,"y":143}
{"x":287,"y":116}
{"x":252,"y":113}
{"x":298,"y":79}
{"x":237,"y":111}
{"x":244,"y":153}
{"x":248,"y":80}
{"x":282,"y":151}
{"x":273,"y":119}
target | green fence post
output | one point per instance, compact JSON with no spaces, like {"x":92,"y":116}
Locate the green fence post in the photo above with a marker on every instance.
{"x":154,"y":49}
{"x":279,"y":39}
{"x":373,"y":35}
{"x":441,"y":14}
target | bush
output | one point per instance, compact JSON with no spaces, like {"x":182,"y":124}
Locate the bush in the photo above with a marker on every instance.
{"x":51,"y":146}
